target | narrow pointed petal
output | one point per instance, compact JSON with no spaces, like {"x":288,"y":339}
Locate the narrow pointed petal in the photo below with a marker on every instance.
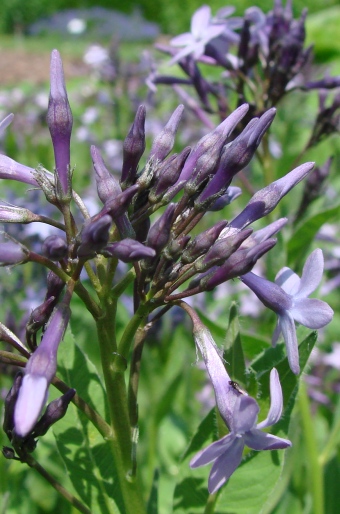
{"x":311,"y":274}
{"x":288,"y":280}
{"x":270,"y":294}
{"x":289,"y":335}
{"x":225,"y":465}
{"x":277,"y":332}
{"x":276,"y":401}
{"x":258,"y":440}
{"x":182,"y":40}
{"x":311,"y":312}
{"x":245,"y":414}
{"x":31,"y":400}
{"x":200,"y":21}
{"x":212,"y":452}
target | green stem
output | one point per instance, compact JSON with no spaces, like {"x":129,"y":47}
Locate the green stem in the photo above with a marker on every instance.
{"x":32,"y":463}
{"x":315,"y":469}
{"x":210,"y":505}
{"x":120,"y":442}
{"x":119,"y":288}
{"x":331,"y":445}
{"x":131,"y":328}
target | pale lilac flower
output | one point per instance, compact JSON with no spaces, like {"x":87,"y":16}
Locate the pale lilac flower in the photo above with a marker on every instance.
{"x":39,"y":372}
{"x":239,"y":412}
{"x":202,"y":31}
{"x":288,"y":298}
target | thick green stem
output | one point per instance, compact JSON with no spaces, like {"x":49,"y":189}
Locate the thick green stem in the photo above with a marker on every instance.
{"x":120,"y":442}
{"x":315,"y":469}
{"x":131,"y":328}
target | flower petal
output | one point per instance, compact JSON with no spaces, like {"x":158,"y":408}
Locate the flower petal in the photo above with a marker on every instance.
{"x":311,"y":274}
{"x":200,"y":21}
{"x":311,"y":312}
{"x":289,"y":335}
{"x":288,"y":280}
{"x":276,"y":401}
{"x":212,"y":451}
{"x":277,"y":332}
{"x":30,"y":402}
{"x":258,"y":440}
{"x":182,"y":40}
{"x":245,"y":414}
{"x":225,"y":465}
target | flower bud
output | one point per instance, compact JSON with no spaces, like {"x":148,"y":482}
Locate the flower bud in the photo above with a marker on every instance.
{"x":164,"y":142}
{"x":107,"y":186}
{"x":54,"y":247}
{"x":12,"y":253}
{"x":59,"y":121}
{"x":94,"y":236}
{"x":168,"y":174}
{"x":202,"y":242}
{"x":12,"y":214}
{"x":12,"y":170}
{"x":133,"y":148}
{"x":55,"y":411}
{"x":10,"y":402}
{"x":159,"y":232}
{"x":128,"y":250}
{"x":118,"y":205}
{"x":231,"y":194}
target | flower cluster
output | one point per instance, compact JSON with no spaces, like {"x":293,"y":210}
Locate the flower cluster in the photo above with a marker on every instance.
{"x":171,"y":259}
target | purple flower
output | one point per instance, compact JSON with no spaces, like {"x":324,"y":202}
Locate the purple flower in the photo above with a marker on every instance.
{"x":288,"y":298}
{"x":202,"y":31}
{"x":239,"y":412}
{"x":39,"y":372}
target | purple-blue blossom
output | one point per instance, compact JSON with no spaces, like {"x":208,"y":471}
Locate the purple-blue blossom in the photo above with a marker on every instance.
{"x":239,"y":411}
{"x":288,"y":298}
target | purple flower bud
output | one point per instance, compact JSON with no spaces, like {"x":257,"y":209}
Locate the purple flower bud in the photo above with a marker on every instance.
{"x":164,"y":142}
{"x":12,"y":214}
{"x":238,"y":264}
{"x":232,"y":193}
{"x":54,"y":285}
{"x":168,"y":174}
{"x":12,"y":170}
{"x":202,"y":242}
{"x":133,"y":148}
{"x":39,"y":372}
{"x":94,"y":236}
{"x":12,"y":253}
{"x":222,"y":249}
{"x":54,"y":248}
{"x":118,"y":205}
{"x":265,"y":200}
{"x":59,"y":121}
{"x":129,"y":250}
{"x":55,"y":411}
{"x":107,"y":186}
{"x":214,"y":139}
{"x":237,"y":154}
{"x":159,"y":232}
{"x":176,"y":246}
{"x":40,"y":316}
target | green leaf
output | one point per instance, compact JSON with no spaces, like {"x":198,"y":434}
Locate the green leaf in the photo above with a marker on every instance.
{"x":233,"y":353}
{"x":86,"y":455}
{"x":301,"y":240}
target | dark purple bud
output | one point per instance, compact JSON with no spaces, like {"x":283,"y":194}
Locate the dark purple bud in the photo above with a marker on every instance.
{"x":117,"y":206}
{"x":325,"y":83}
{"x":232,"y":193}
{"x":238,"y":264}
{"x":168,"y":174}
{"x":10,"y":402}
{"x":12,"y":253}
{"x":237,"y":154}
{"x":128,"y":250}
{"x":94,"y":236}
{"x":40,"y":315}
{"x":165,"y":141}
{"x":55,"y":411}
{"x":222,"y":249}
{"x":59,"y":121}
{"x":202,"y":242}
{"x":265,"y":200}
{"x":159,"y":232}
{"x":54,"y":248}
{"x":54,"y":285}
{"x":133,"y":148}
{"x":107,"y":186}
{"x":214,"y":139}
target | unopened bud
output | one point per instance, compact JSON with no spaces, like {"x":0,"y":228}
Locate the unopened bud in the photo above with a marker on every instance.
{"x":202,"y":242}
{"x":55,"y":411}
{"x":133,"y":148}
{"x":164,"y":142}
{"x":12,"y":214}
{"x":12,"y":253}
{"x":94,"y":236}
{"x":10,"y":402}
{"x":129,"y":250}
{"x":159,"y":232}
{"x":107,"y":186}
{"x":54,"y":248}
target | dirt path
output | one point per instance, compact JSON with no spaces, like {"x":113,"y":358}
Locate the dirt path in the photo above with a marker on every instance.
{"x":21,"y":66}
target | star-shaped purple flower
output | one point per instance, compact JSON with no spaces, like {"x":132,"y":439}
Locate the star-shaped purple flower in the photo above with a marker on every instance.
{"x":288,"y":298}
{"x":239,"y":411}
